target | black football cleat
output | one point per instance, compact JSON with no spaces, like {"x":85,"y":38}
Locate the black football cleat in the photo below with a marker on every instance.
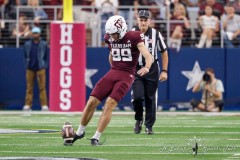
{"x":149,"y":131}
{"x":67,"y":143}
{"x":138,"y":127}
{"x":76,"y":137}
{"x":95,"y":142}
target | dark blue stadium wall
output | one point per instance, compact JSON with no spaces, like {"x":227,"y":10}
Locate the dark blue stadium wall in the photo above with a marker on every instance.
{"x":176,"y":89}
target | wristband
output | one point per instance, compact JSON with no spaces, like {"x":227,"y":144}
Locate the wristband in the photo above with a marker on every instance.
{"x":164,"y":71}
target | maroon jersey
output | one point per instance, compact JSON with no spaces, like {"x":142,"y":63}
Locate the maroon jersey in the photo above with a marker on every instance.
{"x":125,"y":52}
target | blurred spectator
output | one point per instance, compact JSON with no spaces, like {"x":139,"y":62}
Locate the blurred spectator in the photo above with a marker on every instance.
{"x":175,"y":3}
{"x":2,"y":23}
{"x":2,"y":8}
{"x":212,"y":93}
{"x":106,"y":9}
{"x":81,"y":13}
{"x":159,"y":2}
{"x":191,"y":3}
{"x":143,"y":4}
{"x":50,"y":12}
{"x":10,"y":9}
{"x":157,"y":21}
{"x":209,"y":25}
{"x":217,"y":7}
{"x":22,"y":2}
{"x":236,"y":5}
{"x":128,"y":14}
{"x":162,"y":6}
{"x":36,"y":54}
{"x":86,"y":15}
{"x":23,"y":30}
{"x":231,"y":26}
{"x":179,"y":23}
{"x":38,"y":12}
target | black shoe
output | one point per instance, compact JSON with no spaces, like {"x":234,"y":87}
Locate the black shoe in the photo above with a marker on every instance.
{"x":76,"y":137}
{"x":138,"y":127}
{"x":67,"y":143}
{"x":95,"y":142}
{"x":149,"y":131}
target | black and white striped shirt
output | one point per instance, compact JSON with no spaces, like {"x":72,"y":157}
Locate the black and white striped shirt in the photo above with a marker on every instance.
{"x":154,"y":42}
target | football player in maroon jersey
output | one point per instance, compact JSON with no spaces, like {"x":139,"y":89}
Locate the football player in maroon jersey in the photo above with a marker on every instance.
{"x":125,"y":48}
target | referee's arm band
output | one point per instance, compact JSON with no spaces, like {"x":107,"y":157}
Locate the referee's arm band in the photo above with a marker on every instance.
{"x":164,"y":70}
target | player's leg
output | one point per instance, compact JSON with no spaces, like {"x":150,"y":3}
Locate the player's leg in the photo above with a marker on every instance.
{"x":137,"y":102}
{"x":101,"y":90}
{"x":105,"y":118}
{"x":88,"y":111}
{"x":122,"y":84}
{"x":30,"y":75}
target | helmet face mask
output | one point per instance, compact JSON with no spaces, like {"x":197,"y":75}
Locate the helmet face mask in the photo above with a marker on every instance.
{"x":116,"y":24}
{"x":114,"y":36}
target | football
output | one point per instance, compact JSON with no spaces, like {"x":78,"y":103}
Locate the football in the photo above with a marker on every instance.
{"x":67,"y":134}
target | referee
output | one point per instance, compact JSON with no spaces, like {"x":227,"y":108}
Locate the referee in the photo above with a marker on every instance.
{"x":145,"y":88}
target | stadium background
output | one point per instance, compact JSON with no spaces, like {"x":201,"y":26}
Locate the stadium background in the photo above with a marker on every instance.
{"x":32,"y":135}
{"x":173,"y":94}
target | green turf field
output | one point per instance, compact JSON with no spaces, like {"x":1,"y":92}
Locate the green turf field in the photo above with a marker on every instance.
{"x":218,"y":137}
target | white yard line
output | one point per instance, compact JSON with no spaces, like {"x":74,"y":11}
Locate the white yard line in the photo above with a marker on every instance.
{"x":198,"y":132}
{"x":228,"y":122}
{"x":36,"y":124}
{"x":105,"y":145}
{"x":121,"y":153}
{"x":128,"y":132}
{"x":121,"y":113}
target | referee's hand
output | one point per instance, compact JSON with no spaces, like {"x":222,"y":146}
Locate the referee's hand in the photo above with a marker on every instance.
{"x":163,"y":76}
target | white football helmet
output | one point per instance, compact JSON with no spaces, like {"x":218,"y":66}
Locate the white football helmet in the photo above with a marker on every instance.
{"x":116,"y":24}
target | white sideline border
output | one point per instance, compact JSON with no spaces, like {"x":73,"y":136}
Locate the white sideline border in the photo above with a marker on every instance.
{"x":122,"y":113}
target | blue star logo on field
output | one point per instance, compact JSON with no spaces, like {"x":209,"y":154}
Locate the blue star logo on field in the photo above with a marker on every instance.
{"x":89,"y":73}
{"x":194,"y":76}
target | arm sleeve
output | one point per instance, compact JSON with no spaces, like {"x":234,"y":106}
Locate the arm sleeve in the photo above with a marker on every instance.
{"x":162,"y":46}
{"x":139,"y":37}
{"x":219,"y":86}
{"x":201,"y":86}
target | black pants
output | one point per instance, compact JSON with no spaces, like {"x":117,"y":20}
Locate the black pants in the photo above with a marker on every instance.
{"x":145,"y":90}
